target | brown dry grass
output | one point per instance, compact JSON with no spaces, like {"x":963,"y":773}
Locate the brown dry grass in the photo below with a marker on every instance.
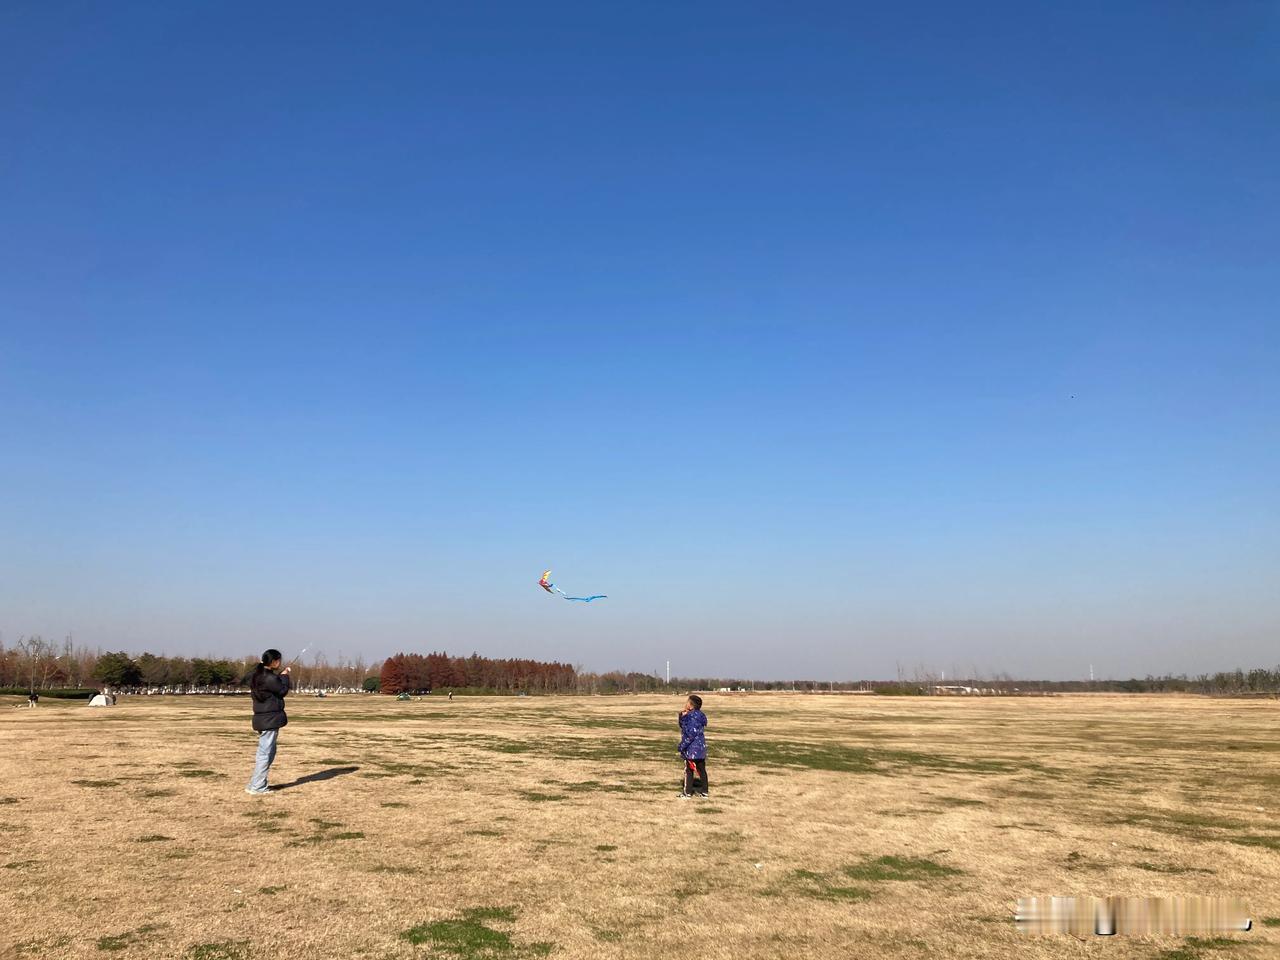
{"x":564,"y":809}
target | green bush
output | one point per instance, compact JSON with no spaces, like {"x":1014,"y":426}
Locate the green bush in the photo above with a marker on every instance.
{"x":58,"y":693}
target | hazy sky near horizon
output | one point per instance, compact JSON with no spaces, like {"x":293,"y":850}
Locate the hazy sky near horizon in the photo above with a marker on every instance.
{"x":822,"y":339}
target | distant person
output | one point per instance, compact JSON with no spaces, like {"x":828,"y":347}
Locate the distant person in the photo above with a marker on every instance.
{"x":33,"y":699}
{"x":268,"y":689}
{"x":451,"y":696}
{"x":693,"y":748}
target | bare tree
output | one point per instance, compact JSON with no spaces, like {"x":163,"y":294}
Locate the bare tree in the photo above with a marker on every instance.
{"x":34,"y":652}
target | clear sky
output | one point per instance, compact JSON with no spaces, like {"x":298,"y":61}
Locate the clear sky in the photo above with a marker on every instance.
{"x":820,"y":337}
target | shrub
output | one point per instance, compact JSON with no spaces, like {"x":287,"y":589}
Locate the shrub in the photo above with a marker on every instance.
{"x":57,"y":693}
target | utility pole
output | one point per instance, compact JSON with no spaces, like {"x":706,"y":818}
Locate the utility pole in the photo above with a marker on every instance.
{"x":668,"y":673}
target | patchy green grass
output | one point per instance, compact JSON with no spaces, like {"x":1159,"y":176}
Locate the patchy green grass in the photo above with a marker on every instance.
{"x":392,"y":868}
{"x":898,"y":868}
{"x":471,"y":936}
{"x":1193,"y":947}
{"x":500,"y":745}
{"x":587,"y":786}
{"x":219,"y":950}
{"x":7,"y":800}
{"x":271,"y":891}
{"x":1271,"y":921}
{"x":20,"y":864}
{"x":113,"y":943}
{"x":819,"y":886}
{"x":41,"y":946}
{"x":325,"y":832}
{"x":622,"y":723}
{"x":153,"y":838}
{"x":393,"y":804}
{"x":534,"y":796}
{"x":841,"y":758}
{"x":605,"y":847}
{"x":202,"y":774}
{"x":484,"y":833}
{"x":1169,"y":868}
{"x":164,"y":792}
{"x":96,"y":783}
{"x":1197,"y":826}
{"x":1249,"y":840}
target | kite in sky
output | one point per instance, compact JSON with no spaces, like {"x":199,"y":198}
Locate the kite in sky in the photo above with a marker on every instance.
{"x":546,"y":584}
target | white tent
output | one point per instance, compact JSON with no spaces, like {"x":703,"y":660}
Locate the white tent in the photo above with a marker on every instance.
{"x":100,"y":700}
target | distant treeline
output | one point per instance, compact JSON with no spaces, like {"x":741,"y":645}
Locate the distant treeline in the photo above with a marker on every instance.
{"x":34,"y":664}
{"x":415,"y":673}
{"x":1257,"y":682}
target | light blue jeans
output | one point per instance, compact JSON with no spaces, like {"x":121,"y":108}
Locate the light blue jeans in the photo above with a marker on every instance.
{"x":266,"y":754}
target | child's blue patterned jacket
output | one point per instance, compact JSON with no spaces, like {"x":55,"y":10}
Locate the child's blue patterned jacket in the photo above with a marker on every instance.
{"x":693,"y":745}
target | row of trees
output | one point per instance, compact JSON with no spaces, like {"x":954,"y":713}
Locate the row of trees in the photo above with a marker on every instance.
{"x":415,"y":673}
{"x":33,"y":663}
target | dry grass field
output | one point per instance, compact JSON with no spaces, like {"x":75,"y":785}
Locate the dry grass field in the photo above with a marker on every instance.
{"x":512,"y":828}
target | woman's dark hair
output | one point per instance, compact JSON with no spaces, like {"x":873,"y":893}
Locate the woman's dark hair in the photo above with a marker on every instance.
{"x":696,"y":701}
{"x":268,"y":657}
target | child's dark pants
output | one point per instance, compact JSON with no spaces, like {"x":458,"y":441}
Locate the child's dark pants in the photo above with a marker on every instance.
{"x":695,"y":776}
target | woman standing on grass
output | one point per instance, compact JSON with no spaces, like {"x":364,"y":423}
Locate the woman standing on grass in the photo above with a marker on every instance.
{"x":268,"y":689}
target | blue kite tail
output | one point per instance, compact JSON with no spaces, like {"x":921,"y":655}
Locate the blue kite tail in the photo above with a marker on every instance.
{"x":594,"y":596}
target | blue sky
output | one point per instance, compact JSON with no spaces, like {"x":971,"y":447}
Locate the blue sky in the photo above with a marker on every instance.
{"x":822,"y":339}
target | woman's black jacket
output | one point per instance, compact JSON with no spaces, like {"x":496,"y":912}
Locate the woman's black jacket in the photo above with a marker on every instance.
{"x":269,"y":690}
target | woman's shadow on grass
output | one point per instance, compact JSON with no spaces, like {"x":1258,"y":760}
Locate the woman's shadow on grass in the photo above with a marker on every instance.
{"x":314,"y":777}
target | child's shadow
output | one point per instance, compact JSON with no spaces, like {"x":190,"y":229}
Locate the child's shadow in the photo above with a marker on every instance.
{"x":313,"y":777}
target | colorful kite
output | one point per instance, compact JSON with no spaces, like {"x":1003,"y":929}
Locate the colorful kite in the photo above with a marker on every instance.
{"x":546,"y":584}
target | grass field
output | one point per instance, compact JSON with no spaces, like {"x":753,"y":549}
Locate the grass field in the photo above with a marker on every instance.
{"x":513,"y":828}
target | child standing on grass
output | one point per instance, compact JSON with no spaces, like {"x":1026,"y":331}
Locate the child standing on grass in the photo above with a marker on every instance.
{"x":693,"y":747}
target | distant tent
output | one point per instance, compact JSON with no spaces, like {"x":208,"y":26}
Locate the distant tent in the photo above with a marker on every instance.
{"x":100,"y":700}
